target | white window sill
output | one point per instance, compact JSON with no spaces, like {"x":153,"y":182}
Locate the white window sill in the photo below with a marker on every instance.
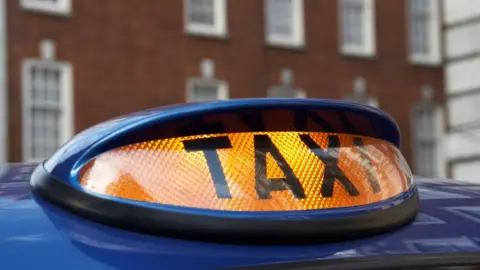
{"x":285,"y":42}
{"x":289,"y":45}
{"x":46,"y":9}
{"x":207,"y":35}
{"x":425,"y":61}
{"x":200,"y":30}
{"x":357,"y":52}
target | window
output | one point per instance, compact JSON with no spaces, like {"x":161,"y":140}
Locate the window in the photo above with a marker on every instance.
{"x":357,"y":27}
{"x":286,"y":89}
{"x":61,"y":7}
{"x":280,"y":91}
{"x":47,"y":107}
{"x":428,"y":134}
{"x":200,"y":90}
{"x":424,"y":31}
{"x":206,"y":88}
{"x":205,"y":17}
{"x":425,"y":143}
{"x":284,"y":22}
{"x":360,"y":94}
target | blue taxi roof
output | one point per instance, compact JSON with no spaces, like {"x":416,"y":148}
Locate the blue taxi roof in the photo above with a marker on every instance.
{"x":37,"y":235}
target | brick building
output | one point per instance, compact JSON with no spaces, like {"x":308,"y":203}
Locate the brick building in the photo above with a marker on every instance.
{"x":71,"y":63}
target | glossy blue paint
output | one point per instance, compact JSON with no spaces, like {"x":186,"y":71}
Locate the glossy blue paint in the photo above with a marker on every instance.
{"x":37,"y":235}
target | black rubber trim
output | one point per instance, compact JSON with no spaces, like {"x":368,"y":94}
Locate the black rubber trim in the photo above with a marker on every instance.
{"x":218,"y":229}
{"x":403,"y":261}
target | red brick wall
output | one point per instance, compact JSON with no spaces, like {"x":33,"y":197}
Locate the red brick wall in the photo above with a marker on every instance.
{"x":131,"y":55}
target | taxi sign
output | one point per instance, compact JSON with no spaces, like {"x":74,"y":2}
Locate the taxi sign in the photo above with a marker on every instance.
{"x":263,"y":170}
{"x":257,"y":171}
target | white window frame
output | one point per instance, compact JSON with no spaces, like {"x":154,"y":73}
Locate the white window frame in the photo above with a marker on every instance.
{"x":368,"y":49}
{"x":222,"y":88}
{"x":219,"y":28}
{"x":434,"y":57}
{"x":66,"y":125}
{"x":59,"y":7}
{"x":297,"y":39}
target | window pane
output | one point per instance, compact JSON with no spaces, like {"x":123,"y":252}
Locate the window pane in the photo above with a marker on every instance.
{"x":429,"y":168}
{"x":34,"y":132}
{"x":53,"y":85}
{"x":37,"y":123}
{"x":281,"y":91}
{"x":202,"y":93}
{"x":201,"y":11}
{"x":353,"y":22}
{"x":45,"y":132}
{"x":280,"y":17}
{"x":38,"y":133}
{"x":424,"y":123}
{"x":51,"y":132}
{"x":419,"y":23}
{"x":38,"y":85}
{"x":45,"y":111}
{"x":425,"y":141}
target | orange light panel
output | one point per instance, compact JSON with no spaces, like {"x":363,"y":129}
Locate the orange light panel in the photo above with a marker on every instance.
{"x":258,"y":171}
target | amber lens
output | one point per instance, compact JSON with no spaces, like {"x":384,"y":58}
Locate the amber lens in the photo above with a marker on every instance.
{"x":258,"y":171}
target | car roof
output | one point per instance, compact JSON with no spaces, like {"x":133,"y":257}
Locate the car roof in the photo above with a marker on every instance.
{"x":38,"y":234}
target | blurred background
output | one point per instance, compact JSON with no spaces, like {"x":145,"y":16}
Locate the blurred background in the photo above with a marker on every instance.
{"x":66,"y":65}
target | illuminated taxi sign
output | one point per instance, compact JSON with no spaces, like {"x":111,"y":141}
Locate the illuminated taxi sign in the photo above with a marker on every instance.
{"x":243,"y":171}
{"x":252,"y":171}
